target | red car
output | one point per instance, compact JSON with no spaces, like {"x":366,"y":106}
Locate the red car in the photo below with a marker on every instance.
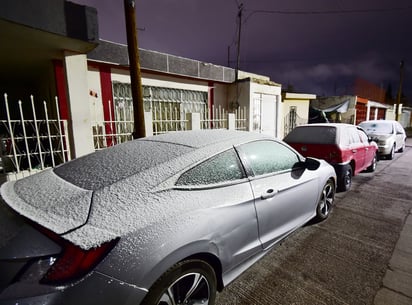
{"x":346,"y":147}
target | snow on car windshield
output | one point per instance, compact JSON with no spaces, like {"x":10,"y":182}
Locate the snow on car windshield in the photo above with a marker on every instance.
{"x":108,"y":166}
{"x":312,"y":135}
{"x":377,"y":127}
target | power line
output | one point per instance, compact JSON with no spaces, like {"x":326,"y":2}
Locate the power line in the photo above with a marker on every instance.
{"x":328,"y":12}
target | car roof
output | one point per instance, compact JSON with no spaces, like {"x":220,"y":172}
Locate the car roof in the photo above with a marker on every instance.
{"x":379,"y":121}
{"x":336,"y":125}
{"x":203,"y":138}
{"x":175,"y":150}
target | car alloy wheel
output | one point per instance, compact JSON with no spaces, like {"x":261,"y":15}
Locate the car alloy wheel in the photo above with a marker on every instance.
{"x":392,"y":153}
{"x":188,"y":282}
{"x":326,"y":200}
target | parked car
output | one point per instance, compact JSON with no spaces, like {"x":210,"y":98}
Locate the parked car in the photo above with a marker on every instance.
{"x":389,"y":135}
{"x":344,"y":146}
{"x":168,"y":219}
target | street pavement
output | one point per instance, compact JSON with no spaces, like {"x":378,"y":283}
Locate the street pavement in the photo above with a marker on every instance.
{"x":361,"y":255}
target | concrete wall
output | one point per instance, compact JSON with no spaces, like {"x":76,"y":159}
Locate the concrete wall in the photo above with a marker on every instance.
{"x":55,"y":16}
{"x":80,"y":114}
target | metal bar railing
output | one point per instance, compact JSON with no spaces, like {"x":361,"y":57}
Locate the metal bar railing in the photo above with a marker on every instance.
{"x":23,"y":140}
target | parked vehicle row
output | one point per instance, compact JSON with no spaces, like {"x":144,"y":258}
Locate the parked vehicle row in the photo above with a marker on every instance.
{"x":346,"y":147}
{"x":169,"y":219}
{"x":349,"y":149}
{"x":389,"y":135}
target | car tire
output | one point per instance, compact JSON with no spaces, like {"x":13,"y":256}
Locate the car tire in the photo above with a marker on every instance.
{"x":326,"y":200}
{"x":371,"y":168}
{"x":402,"y":149}
{"x":345,"y":181}
{"x":187,"y":282}
{"x":392,"y":153}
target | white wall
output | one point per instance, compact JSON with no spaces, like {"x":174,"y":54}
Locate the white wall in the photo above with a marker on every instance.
{"x":95,"y":95}
{"x":161,"y":81}
{"x":78,"y":94}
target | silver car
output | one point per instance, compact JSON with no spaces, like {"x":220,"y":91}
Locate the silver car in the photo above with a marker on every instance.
{"x":389,"y":135}
{"x":169,"y":219}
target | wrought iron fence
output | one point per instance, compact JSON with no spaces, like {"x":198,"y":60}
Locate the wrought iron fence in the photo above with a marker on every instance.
{"x":164,"y":118}
{"x":215,"y":118}
{"x":117,"y":129}
{"x":29,"y":144}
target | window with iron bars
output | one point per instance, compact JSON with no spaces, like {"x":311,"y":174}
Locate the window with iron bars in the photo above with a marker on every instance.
{"x":168,"y":106}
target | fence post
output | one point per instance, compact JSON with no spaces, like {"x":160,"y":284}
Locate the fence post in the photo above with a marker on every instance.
{"x":23,"y":126}
{"x":13,"y":143}
{"x":49,"y":134}
{"x":66,"y":139}
{"x":148,"y":123}
{"x":231,"y":121}
{"x":59,"y":125}
{"x":193,"y":121}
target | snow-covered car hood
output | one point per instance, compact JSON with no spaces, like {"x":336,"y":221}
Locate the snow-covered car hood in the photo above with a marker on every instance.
{"x":48,"y":200}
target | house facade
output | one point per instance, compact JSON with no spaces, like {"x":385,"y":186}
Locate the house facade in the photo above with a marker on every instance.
{"x":350,"y":109}
{"x":295,"y":110}
{"x":67,"y":93}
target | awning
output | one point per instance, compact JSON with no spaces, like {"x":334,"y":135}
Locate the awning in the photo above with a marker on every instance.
{"x":341,"y":108}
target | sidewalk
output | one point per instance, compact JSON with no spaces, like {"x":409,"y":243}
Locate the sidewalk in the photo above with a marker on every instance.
{"x":397,"y":283}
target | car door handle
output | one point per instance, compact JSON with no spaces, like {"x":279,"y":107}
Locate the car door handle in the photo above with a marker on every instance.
{"x":354,"y":151}
{"x":269,"y":194}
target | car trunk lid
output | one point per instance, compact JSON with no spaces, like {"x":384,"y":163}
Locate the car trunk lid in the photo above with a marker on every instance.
{"x":49,"y":200}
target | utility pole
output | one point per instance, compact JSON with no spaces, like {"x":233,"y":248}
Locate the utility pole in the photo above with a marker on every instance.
{"x":239,"y":15}
{"x":398,"y":97}
{"x":134,"y":64}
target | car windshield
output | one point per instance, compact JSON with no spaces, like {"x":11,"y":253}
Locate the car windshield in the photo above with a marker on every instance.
{"x":377,"y":127}
{"x":312,"y":135}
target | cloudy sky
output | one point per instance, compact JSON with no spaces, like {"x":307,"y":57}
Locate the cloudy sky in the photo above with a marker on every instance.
{"x":318,"y":46}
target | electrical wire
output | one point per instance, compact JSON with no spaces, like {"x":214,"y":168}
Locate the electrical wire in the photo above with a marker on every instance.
{"x":328,"y":12}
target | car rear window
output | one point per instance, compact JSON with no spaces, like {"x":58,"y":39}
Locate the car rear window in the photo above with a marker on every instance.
{"x":312,"y":135}
{"x":110,"y":165}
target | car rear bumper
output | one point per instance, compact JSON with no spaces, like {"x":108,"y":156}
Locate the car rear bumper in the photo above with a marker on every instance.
{"x":340,"y":169}
{"x":96,"y":288}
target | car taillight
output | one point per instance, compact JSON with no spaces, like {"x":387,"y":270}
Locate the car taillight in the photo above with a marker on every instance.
{"x":335,"y":155}
{"x":73,"y":262}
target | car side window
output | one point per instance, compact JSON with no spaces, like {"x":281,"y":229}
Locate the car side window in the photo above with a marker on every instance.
{"x":266,"y":157}
{"x":354,"y":136}
{"x":399,"y":128}
{"x":363,"y":136}
{"x":220,"y":168}
{"x":345,"y":138}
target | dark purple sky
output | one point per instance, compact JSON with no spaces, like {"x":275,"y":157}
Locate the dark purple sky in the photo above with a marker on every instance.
{"x":317,"y":46}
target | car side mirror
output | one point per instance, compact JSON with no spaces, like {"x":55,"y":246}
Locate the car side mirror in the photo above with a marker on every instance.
{"x":311,"y":164}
